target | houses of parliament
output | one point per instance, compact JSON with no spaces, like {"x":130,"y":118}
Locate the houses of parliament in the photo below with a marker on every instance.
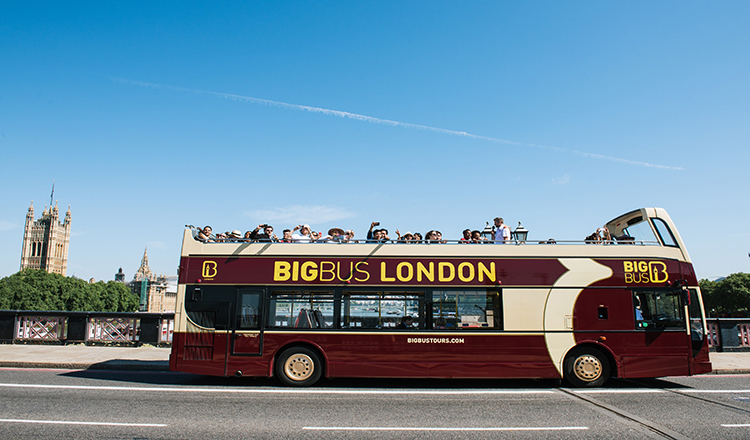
{"x":45,"y":246}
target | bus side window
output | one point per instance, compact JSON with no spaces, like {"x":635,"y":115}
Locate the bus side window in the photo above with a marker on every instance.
{"x":380,"y":310}
{"x":248,"y":318}
{"x":300,"y":309}
{"x":467,"y":309}
{"x":659,"y":310}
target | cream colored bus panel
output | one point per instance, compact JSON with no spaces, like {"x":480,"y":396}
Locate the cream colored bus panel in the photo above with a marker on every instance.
{"x":523,"y":309}
{"x":558,"y":311}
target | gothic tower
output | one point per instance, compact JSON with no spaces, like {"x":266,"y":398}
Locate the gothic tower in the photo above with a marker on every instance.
{"x":45,"y":241}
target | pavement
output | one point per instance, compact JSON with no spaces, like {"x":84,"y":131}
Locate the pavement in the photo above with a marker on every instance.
{"x":82,"y":357}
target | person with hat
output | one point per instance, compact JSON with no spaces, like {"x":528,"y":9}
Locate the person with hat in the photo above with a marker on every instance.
{"x":406,"y":238}
{"x":335,"y":235}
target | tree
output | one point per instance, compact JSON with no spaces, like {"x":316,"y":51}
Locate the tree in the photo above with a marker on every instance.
{"x":730,"y":295}
{"x":708,"y":290}
{"x":32,"y":289}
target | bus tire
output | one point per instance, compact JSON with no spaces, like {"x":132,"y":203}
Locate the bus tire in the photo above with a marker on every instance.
{"x":586,"y":367}
{"x":298,"y":367}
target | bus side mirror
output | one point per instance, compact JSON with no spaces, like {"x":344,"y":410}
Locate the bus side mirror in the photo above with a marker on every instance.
{"x":686,"y":295}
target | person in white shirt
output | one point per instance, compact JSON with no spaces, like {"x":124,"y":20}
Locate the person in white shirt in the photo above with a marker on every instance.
{"x":301,"y":234}
{"x":502,"y":231}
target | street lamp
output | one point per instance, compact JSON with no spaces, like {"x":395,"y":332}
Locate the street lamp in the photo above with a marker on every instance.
{"x":520,"y":234}
{"x":489,"y":232}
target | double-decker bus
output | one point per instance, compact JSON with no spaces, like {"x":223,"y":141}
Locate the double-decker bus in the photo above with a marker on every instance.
{"x":629,"y":307}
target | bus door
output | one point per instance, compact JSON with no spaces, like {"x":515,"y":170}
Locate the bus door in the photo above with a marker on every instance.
{"x":697,"y":338}
{"x":247,"y":336}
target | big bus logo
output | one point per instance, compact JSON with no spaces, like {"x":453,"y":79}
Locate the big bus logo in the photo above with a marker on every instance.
{"x":645,"y":272}
{"x":209,"y":269}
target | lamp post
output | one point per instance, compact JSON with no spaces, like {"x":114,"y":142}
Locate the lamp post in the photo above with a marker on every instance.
{"x":488,"y":233}
{"x":520,"y":234}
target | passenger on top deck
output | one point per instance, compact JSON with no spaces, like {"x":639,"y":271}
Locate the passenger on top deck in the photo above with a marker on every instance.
{"x":378,"y":235}
{"x":287,"y":237}
{"x":476,"y":237}
{"x":349,"y":236}
{"x":434,"y":237}
{"x":335,"y":235}
{"x":502,"y":231}
{"x":235,"y":235}
{"x":604,"y":234}
{"x":303,"y":236}
{"x":267,"y":234}
{"x":204,"y":234}
{"x":466,"y":237}
{"x":406,"y":238}
{"x":417,"y":237}
{"x":592,"y":239}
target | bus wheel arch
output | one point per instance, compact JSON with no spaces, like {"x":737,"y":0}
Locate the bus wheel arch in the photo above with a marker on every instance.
{"x":299,"y":365}
{"x":588,"y":365}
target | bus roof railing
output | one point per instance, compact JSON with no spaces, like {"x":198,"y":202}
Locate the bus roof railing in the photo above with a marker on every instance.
{"x":621,"y":241}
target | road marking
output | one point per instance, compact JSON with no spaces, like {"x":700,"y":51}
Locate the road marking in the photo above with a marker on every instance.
{"x":361,"y":391}
{"x":618,"y":391}
{"x":69,"y":422}
{"x":651,"y":390}
{"x":277,"y":390}
{"x":714,"y":391}
{"x":398,"y":428}
{"x":742,"y":425}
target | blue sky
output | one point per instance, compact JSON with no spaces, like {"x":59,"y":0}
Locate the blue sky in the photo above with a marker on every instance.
{"x":561,"y":115}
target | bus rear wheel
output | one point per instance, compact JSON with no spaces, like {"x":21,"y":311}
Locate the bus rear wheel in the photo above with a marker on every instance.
{"x":586,"y":367}
{"x":298,"y":367}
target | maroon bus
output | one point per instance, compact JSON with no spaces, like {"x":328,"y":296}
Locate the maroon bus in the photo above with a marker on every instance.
{"x":629,"y":307}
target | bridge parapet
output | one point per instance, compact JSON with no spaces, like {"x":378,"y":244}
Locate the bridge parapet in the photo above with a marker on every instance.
{"x":729,"y":334}
{"x":90,"y":328}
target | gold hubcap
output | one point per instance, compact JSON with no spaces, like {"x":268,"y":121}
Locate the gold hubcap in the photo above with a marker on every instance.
{"x":587,"y":368}
{"x":299,"y":367}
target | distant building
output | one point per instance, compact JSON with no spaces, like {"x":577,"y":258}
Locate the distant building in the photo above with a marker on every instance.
{"x":45,"y":241}
{"x":120,"y":276}
{"x":158,"y":293}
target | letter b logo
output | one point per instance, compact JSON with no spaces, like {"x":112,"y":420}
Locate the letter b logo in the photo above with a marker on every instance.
{"x":209,"y":269}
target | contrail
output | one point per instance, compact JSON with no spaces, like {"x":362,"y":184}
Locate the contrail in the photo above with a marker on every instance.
{"x":374,"y":120}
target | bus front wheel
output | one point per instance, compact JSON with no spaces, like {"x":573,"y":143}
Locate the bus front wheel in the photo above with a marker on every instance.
{"x":299,"y":367}
{"x":586,"y":367}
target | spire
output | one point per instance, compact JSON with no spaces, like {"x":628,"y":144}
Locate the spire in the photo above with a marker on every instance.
{"x":144,"y":271}
{"x":145,"y":257}
{"x":31,"y":210}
